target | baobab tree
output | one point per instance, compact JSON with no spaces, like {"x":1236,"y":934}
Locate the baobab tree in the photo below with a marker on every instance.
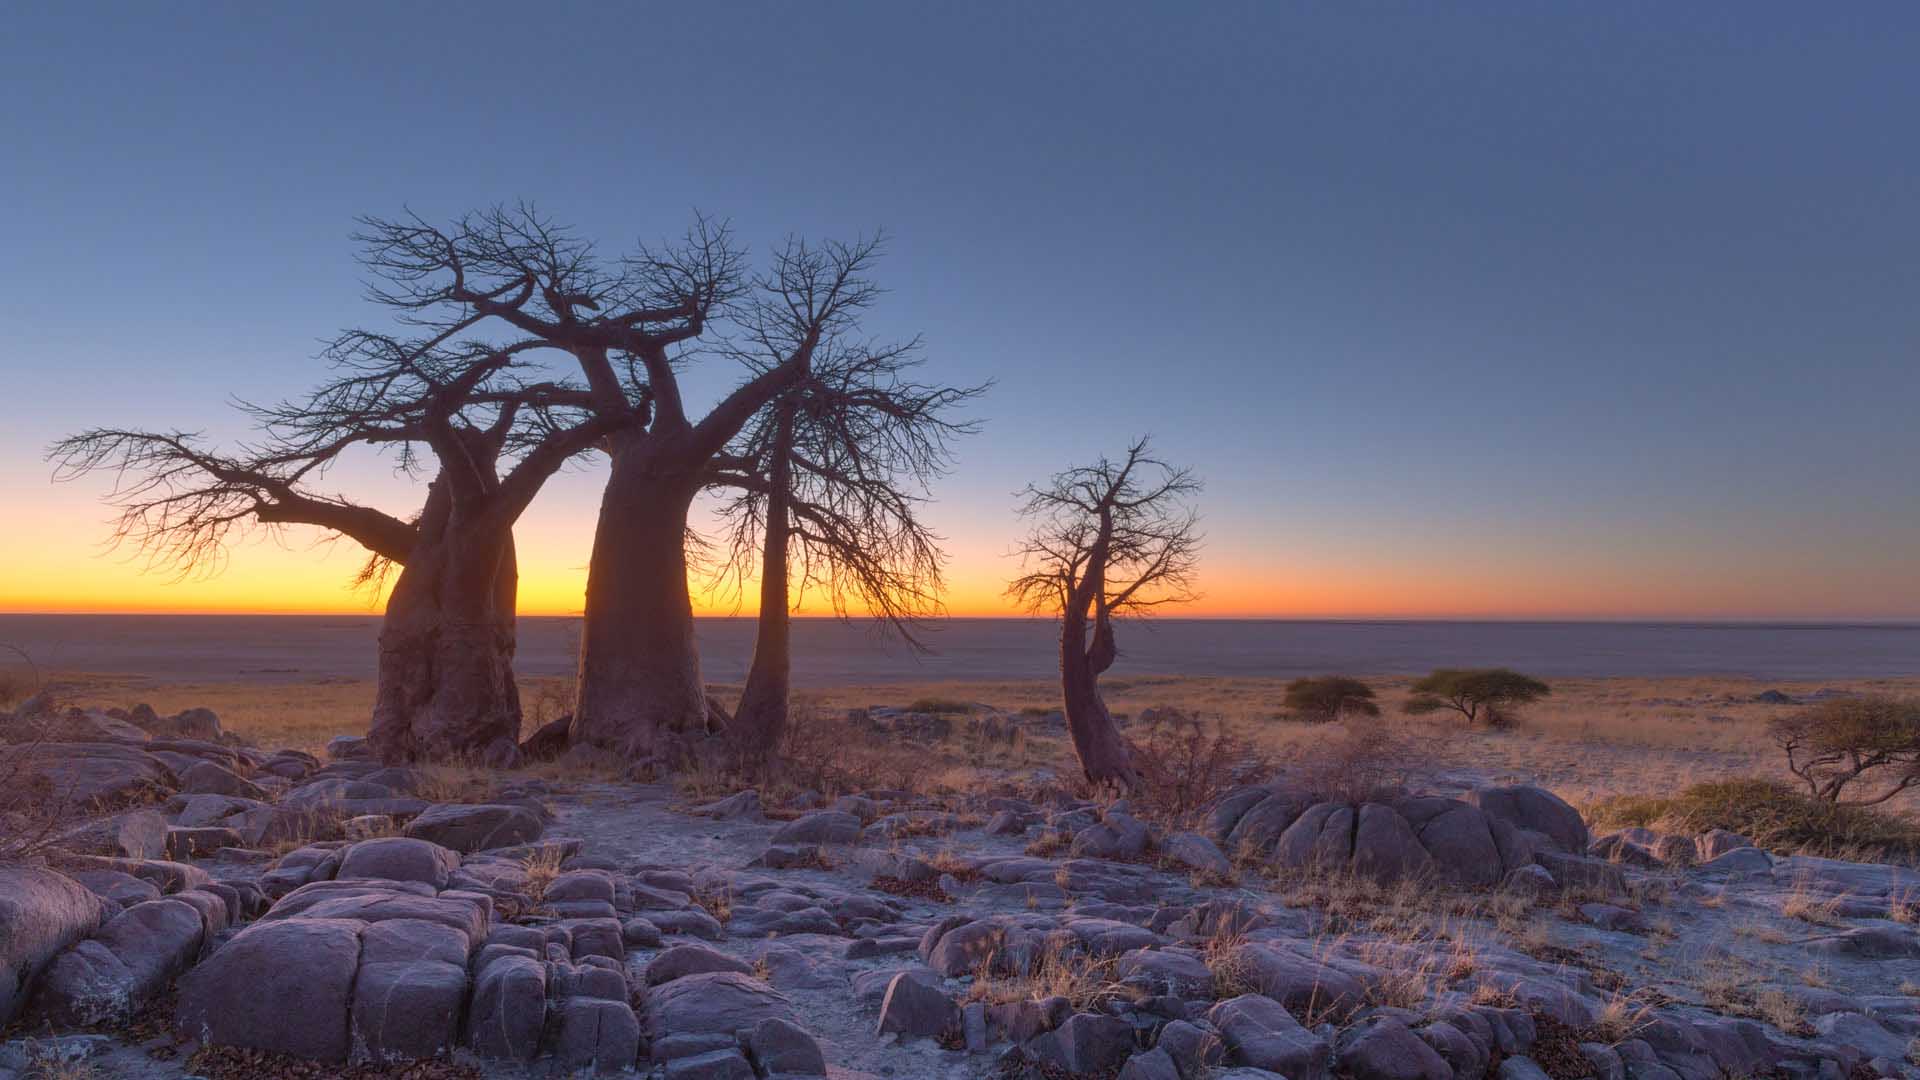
{"x":445,"y":685}
{"x":631,"y":327}
{"x":515,"y":351}
{"x":1108,"y":540}
{"x":828,"y":483}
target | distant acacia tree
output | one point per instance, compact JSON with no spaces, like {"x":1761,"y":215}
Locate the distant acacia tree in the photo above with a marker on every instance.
{"x":1836,"y":743}
{"x":1328,"y":697}
{"x":1109,"y":539}
{"x":827,"y":484}
{"x":1484,"y":695}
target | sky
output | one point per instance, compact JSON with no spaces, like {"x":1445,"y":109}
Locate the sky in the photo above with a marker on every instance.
{"x":1469,"y":310}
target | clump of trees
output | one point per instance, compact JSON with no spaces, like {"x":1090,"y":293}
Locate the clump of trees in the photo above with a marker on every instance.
{"x":511,"y":347}
{"x":1112,"y":539}
{"x":1325,"y":698}
{"x":1834,"y":745}
{"x":1489,"y":696}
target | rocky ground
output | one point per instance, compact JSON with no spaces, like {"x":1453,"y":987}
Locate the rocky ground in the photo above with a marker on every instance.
{"x":252,"y":911}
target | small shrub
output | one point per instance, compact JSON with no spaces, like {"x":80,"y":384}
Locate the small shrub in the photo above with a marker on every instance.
{"x":32,"y":812}
{"x":1489,"y":696}
{"x":943,"y":706}
{"x":1837,"y":742}
{"x":829,"y":754}
{"x":1771,"y":814}
{"x":1363,"y":762}
{"x":1186,"y":763}
{"x":1329,"y":697}
{"x":19,"y":676}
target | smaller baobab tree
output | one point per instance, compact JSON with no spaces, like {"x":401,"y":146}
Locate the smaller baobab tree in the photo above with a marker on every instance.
{"x":828,"y":482}
{"x":1108,"y":540}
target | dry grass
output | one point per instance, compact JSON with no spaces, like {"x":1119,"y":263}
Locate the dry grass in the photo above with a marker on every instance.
{"x":542,"y":866}
{"x":716,"y":902}
{"x":1621,"y":1018}
{"x":1593,"y":738}
{"x":1807,"y":906}
{"x":1085,"y":981}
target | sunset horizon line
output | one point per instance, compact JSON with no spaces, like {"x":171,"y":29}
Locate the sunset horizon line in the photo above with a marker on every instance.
{"x":1185,"y":616}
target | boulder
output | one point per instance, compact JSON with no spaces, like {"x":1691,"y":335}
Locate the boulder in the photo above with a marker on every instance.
{"x":399,"y":858}
{"x":1535,"y":810}
{"x":1385,"y":847}
{"x":1227,"y":811}
{"x":683,"y":960}
{"x":1460,"y":840}
{"x":961,"y":949}
{"x":718,"y":1002}
{"x":1322,"y":836}
{"x":1165,"y":971}
{"x":1263,"y":823}
{"x":107,"y":978}
{"x":199,"y":843}
{"x":509,"y":1009}
{"x":913,"y":1007}
{"x":243,"y":996}
{"x":1384,"y":1048}
{"x":598,"y":1034}
{"x":209,"y":778}
{"x":469,"y":828}
{"x":89,"y":776}
{"x":121,"y":888}
{"x":820,"y":827}
{"x":783,"y":1048}
{"x":1306,"y":987}
{"x":720,"y":1063}
{"x":1717,"y":842}
{"x":1117,"y":836}
{"x":1582,"y":872}
{"x":549,"y":740}
{"x":133,"y":834}
{"x":349,"y":748}
{"x":1741,"y":861}
{"x":1256,"y":1031}
{"x":740,"y":806}
{"x":42,"y":913}
{"x":1087,"y":1044}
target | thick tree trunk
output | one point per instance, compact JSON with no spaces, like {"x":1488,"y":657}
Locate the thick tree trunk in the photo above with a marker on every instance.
{"x":640,"y":694}
{"x":761,"y":720}
{"x":1096,"y":741}
{"x":446,"y":686}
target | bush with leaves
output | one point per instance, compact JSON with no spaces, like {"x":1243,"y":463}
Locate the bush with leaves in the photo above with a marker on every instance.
{"x":1839,"y":741}
{"x":1489,"y":696}
{"x":1326,"y":698}
{"x":1771,"y":814}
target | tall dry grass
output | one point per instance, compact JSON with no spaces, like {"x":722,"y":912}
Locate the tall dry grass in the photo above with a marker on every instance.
{"x":1592,"y":739}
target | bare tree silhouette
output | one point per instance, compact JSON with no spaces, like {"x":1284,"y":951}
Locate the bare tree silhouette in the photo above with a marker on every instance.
{"x":1108,"y":540}
{"x":496,"y":419}
{"x":828,"y":482}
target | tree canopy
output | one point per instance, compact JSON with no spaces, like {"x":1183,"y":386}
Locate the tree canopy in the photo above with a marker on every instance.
{"x":1482,"y":695}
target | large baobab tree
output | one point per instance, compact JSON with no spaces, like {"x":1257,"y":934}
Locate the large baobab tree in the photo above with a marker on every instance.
{"x":498,"y":408}
{"x":827,"y":485}
{"x":631,"y":327}
{"x":1108,"y":540}
{"x":446,"y":685}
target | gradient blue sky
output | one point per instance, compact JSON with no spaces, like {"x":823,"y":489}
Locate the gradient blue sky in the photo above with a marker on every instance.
{"x":1601,"y":310}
